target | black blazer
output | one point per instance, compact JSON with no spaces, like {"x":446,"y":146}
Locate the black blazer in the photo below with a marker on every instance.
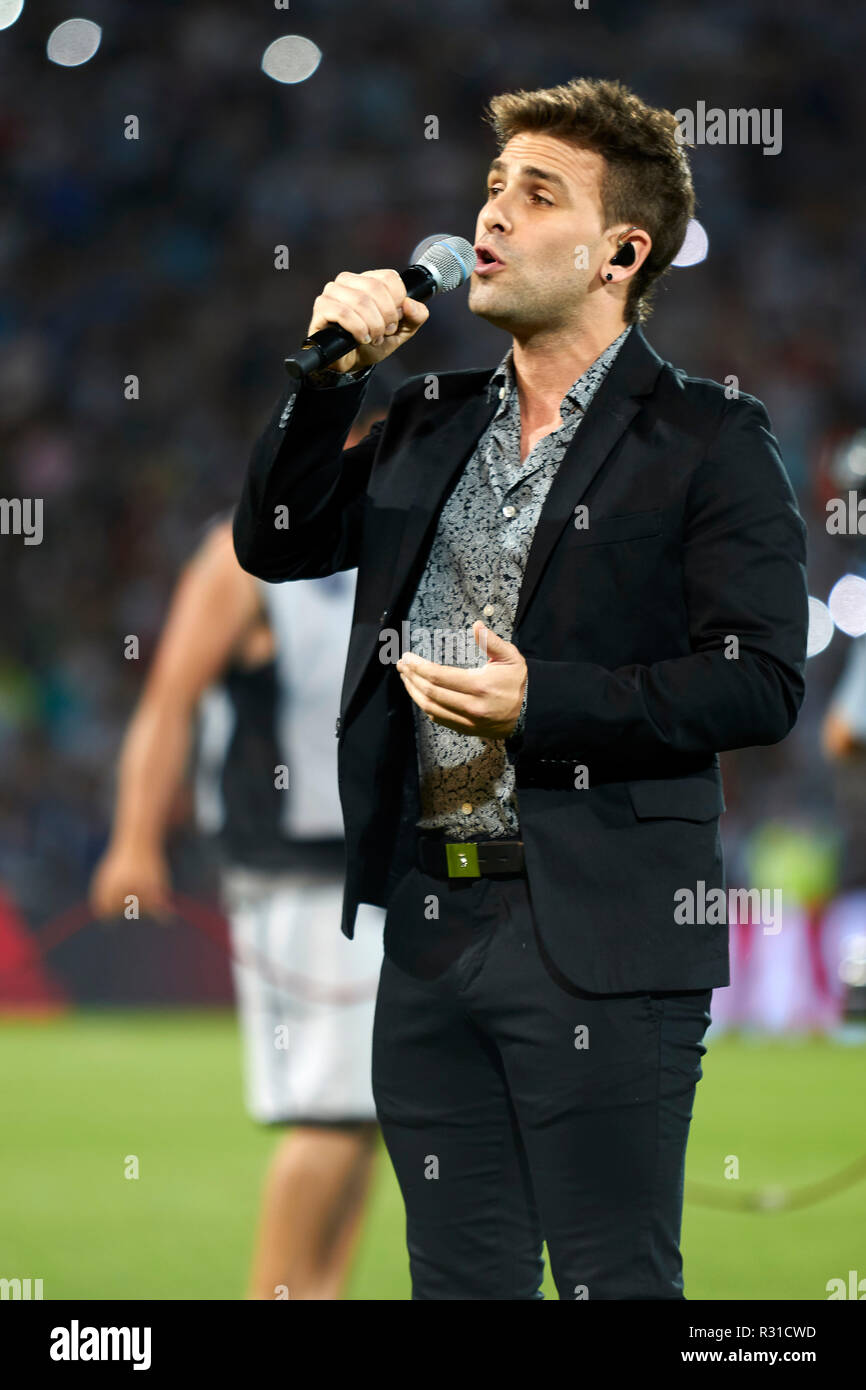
{"x":673,"y":627}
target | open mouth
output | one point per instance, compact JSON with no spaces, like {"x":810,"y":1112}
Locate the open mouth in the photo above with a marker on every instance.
{"x":486,"y":262}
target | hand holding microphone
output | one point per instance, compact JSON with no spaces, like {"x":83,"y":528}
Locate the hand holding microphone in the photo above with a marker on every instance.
{"x":375,"y":309}
{"x":359,"y":320}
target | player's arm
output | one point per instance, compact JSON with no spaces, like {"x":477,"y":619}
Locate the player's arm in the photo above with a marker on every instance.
{"x":843,"y":729}
{"x":212,"y":607}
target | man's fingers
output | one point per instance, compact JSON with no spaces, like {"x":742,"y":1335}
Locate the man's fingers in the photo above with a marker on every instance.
{"x":328,"y":310}
{"x":412,"y":311}
{"x":452,"y":701}
{"x":362,"y":302}
{"x":386,"y":294}
{"x":415,"y":312}
{"x":443,"y":714}
{"x":454,"y":678}
{"x":392,"y":283}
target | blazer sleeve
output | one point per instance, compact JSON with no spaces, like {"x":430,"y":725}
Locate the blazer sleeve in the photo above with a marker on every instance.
{"x":744,"y":575}
{"x":301,"y":507}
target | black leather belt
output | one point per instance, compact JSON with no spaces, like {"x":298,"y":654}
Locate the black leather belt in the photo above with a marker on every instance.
{"x":469,"y":858}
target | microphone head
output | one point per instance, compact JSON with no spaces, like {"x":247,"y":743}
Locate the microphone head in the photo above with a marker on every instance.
{"x":450,"y":261}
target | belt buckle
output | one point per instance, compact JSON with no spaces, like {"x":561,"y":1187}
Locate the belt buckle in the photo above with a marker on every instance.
{"x":462,"y":860}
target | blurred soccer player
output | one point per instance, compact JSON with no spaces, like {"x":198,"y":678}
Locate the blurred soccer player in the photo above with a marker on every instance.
{"x":843,"y":743}
{"x":257,"y":667}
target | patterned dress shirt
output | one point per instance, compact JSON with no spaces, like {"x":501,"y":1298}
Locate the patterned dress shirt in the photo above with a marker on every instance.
{"x":474,"y":571}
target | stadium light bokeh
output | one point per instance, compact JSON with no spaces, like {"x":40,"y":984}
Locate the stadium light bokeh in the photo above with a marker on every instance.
{"x":695,"y":247}
{"x":73,"y":42}
{"x":847,"y":604}
{"x":10,"y":10}
{"x":820,"y":627}
{"x":291,"y":58}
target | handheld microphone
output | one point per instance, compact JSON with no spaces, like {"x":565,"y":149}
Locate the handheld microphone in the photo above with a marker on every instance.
{"x":444,"y":266}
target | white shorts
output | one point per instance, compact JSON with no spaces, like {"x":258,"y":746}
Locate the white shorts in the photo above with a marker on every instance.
{"x":306,"y":996}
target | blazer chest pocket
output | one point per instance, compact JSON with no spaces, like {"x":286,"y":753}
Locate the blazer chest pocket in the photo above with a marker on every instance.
{"x":633,"y":526}
{"x":677,"y":798}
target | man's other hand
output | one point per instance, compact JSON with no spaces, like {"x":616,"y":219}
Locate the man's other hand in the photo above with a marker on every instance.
{"x":483,"y":701}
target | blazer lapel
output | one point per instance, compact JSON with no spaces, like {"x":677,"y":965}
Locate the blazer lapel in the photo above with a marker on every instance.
{"x":436,"y":461}
{"x":632,"y":376}
{"x":435,"y":458}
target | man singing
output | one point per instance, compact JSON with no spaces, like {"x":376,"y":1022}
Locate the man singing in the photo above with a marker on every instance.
{"x":540,"y":816}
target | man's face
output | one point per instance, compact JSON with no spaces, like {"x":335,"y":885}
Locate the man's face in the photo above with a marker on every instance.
{"x":543,"y":219}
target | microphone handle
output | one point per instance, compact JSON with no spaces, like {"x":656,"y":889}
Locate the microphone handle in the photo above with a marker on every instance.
{"x":333,"y":341}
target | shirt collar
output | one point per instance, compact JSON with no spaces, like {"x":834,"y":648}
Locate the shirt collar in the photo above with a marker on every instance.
{"x":580,"y":393}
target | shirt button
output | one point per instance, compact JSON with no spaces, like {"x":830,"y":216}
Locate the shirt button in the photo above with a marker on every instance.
{"x":488,"y":610}
{"x":502,"y":393}
{"x":466,"y":807}
{"x":509,"y":511}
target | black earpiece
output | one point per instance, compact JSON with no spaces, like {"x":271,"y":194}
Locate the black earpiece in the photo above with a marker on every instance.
{"x":625,"y":256}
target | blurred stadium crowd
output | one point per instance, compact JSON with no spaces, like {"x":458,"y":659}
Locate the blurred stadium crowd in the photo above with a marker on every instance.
{"x":154,"y":257}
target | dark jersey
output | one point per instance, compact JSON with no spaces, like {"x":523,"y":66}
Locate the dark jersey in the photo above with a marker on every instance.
{"x":265,"y":754}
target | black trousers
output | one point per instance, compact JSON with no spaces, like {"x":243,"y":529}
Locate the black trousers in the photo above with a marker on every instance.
{"x":517,"y":1107}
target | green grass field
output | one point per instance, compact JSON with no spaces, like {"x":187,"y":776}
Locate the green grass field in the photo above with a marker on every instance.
{"x":83,"y":1091}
